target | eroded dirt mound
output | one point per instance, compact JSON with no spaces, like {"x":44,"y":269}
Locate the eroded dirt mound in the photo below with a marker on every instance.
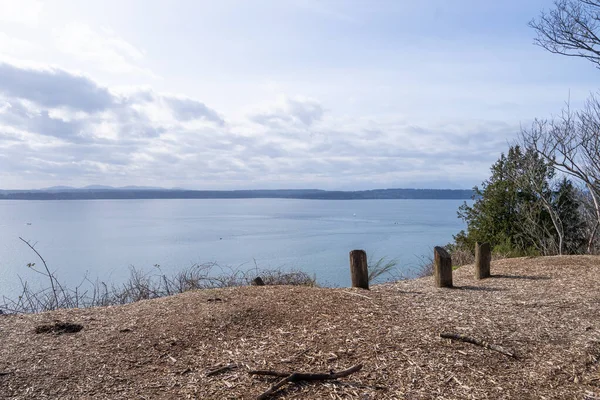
{"x":545,"y":310}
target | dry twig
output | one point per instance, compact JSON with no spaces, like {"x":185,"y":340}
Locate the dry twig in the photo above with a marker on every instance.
{"x":482,"y":343}
{"x":357,"y":294}
{"x":293,"y":377}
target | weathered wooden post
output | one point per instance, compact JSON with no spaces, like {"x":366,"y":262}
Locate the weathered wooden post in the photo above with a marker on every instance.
{"x":359,"y":270}
{"x":442,"y":269}
{"x":483,"y":257}
{"x":258,"y":281}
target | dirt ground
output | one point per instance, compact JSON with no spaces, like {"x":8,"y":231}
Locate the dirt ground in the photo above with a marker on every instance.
{"x":545,"y":310}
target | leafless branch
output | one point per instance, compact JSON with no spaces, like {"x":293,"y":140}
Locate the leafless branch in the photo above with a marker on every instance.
{"x":570,"y":29}
{"x":49,"y":274}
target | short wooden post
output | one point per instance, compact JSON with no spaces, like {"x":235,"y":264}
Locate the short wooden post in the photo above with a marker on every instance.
{"x":258,"y":281}
{"x":483,"y":257}
{"x":359,"y":269}
{"x":442,"y":269}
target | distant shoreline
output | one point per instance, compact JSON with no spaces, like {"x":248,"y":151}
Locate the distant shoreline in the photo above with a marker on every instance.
{"x":300,"y":194}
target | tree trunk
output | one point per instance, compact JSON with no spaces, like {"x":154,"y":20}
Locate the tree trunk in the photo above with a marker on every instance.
{"x":597,"y":207}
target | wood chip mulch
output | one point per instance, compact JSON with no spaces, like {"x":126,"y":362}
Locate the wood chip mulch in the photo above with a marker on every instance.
{"x":545,"y":312}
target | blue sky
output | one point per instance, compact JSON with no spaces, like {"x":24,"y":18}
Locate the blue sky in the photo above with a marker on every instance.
{"x":271,"y":94}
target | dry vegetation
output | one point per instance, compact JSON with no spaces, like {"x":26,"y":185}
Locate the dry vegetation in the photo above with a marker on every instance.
{"x":545,"y":310}
{"x":141,"y":286}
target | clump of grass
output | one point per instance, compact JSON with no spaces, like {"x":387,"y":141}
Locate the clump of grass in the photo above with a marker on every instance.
{"x":281,"y":277}
{"x":382,"y":267}
{"x":425,"y":267}
{"x":461,"y":256}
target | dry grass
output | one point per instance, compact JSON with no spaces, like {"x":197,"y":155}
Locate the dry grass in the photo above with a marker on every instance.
{"x":545,"y":309}
{"x":143,"y":286}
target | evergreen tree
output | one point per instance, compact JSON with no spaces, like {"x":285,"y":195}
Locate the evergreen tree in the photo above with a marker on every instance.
{"x":493,"y":217}
{"x":517,"y":211}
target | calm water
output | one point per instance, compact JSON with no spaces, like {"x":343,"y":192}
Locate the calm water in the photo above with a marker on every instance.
{"x":105,"y":237}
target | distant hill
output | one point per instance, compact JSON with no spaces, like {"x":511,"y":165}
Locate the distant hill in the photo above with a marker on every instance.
{"x":137,"y":192}
{"x":89,"y":188}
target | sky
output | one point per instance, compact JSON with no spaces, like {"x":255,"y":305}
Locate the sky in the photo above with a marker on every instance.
{"x":350,"y":95}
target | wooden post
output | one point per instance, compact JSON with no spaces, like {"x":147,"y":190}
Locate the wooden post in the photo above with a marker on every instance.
{"x":442,"y":269}
{"x":359,"y":269}
{"x":483,"y":257}
{"x":258,"y":281}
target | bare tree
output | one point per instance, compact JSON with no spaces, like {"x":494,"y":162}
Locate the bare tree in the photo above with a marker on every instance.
{"x":571,"y":144}
{"x":536,"y":177}
{"x":540,"y":235}
{"x":571,"y":29}
{"x":588,"y":213}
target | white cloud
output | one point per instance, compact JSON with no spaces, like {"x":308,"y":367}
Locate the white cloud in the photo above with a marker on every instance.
{"x":56,"y":126}
{"x":103,"y":48}
{"x":185,"y":109}
{"x":384,"y":101}
{"x":53,"y":87}
{"x":286,"y":111}
{"x":26,"y":12}
{"x":11,"y":46}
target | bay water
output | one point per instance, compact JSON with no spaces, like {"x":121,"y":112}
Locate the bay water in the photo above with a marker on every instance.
{"x":103,"y":238}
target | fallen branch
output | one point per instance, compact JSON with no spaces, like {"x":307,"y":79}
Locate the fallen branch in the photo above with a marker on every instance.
{"x":482,"y":343}
{"x":269,"y":373}
{"x":294,"y":377}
